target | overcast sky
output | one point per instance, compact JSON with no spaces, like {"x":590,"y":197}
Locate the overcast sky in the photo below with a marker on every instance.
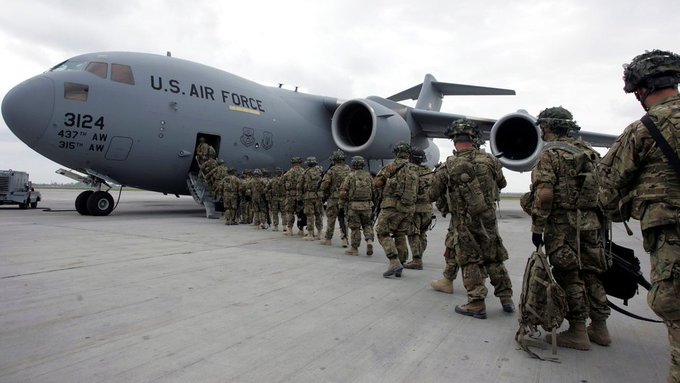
{"x":552,"y":53}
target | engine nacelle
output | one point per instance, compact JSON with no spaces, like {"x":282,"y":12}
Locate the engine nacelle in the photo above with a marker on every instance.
{"x":516,"y":141}
{"x":365,"y":127}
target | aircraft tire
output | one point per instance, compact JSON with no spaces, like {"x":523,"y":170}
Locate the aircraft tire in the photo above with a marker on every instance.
{"x":100,"y":203}
{"x":81,"y":202}
{"x":23,"y":205}
{"x":34,"y":205}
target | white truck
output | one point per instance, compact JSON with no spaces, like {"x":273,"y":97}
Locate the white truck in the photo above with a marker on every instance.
{"x":15,"y":188}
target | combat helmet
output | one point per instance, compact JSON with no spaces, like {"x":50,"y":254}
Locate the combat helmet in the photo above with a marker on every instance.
{"x":652,"y":70}
{"x":402,"y":149}
{"x":358,"y":162}
{"x":278,"y":171}
{"x":231,"y":171}
{"x":463,"y":130}
{"x":558,"y":119}
{"x":257,"y":173}
{"x":338,"y":155}
{"x":311,"y":161}
{"x":296,"y":160}
{"x":418,"y":155}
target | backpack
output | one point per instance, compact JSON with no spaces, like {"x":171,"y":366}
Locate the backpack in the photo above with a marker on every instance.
{"x":363,"y":187}
{"x":543,"y":303}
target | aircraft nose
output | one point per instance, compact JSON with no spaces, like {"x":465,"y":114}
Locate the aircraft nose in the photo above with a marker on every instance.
{"x":27,"y":108}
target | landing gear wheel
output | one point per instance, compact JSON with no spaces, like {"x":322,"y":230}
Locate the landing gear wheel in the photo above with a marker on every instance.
{"x":34,"y":205}
{"x":100,"y":203}
{"x":81,"y":202}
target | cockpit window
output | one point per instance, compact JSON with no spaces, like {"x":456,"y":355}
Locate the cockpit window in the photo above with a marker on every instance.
{"x":74,"y":91}
{"x":97,"y":68}
{"x":68,"y":65}
{"x":122,"y":73}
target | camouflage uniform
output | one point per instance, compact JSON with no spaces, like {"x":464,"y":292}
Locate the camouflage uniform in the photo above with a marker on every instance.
{"x":258,"y":199}
{"x":567,"y":219}
{"x":230,"y":194}
{"x":204,"y":150}
{"x":276,"y":192}
{"x":399,"y":184}
{"x":356,"y":192}
{"x":308,"y":189}
{"x":247,"y":197}
{"x":290,"y":180}
{"x":422,"y":217}
{"x":329,"y":187}
{"x":469,"y":180}
{"x":637,"y":180}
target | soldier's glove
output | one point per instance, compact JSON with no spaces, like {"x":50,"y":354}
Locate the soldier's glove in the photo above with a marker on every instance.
{"x":537,"y":239}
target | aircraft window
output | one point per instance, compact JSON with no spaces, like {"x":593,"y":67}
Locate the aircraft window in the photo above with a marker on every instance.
{"x":77,"y":92}
{"x":68,"y":65}
{"x":122,"y":73}
{"x":98,"y":69}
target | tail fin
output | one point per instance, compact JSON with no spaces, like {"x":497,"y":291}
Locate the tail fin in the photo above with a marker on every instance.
{"x":431,"y":93}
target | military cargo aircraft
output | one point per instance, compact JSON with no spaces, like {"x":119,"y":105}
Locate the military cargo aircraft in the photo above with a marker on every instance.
{"x":135,"y":119}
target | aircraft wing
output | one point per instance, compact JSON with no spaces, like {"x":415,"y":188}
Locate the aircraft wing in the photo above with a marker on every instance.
{"x":433,"y":124}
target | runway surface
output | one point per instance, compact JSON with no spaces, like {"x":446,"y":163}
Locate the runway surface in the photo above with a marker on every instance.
{"x":156,"y":292}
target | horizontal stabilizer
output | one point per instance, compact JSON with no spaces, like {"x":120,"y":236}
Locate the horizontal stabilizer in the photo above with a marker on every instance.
{"x":449,"y":89}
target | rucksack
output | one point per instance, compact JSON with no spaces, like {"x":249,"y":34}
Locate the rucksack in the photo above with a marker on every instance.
{"x":543,"y":303}
{"x":363,"y":188}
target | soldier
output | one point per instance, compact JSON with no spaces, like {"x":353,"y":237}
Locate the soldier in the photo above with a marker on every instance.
{"x":308,"y":189}
{"x":422,"y":218}
{"x":564,"y":216}
{"x":247,"y":196}
{"x":258,"y":200}
{"x":291,"y":179}
{"x":276,"y":194}
{"x":473,"y":228}
{"x":204,"y":149}
{"x":230,"y":194}
{"x":399,"y":184}
{"x":356,"y":193}
{"x":330,"y":185}
{"x":638,"y":180}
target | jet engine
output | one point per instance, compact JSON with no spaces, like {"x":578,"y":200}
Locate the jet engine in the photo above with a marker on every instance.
{"x":365,"y":127}
{"x":516,"y":141}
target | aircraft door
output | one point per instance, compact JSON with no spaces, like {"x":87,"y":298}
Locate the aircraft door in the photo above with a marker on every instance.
{"x":213,"y":142}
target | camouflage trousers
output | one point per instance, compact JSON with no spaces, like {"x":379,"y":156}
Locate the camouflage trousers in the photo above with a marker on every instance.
{"x":475,"y":243}
{"x":276,"y":208}
{"x":571,"y":270}
{"x":331,"y":217}
{"x":417,"y":236}
{"x":291,"y":210}
{"x":391,"y":229}
{"x":230,"y":204}
{"x":663,"y":244}
{"x":313,"y":210}
{"x":451,"y":268}
{"x":358,"y":220}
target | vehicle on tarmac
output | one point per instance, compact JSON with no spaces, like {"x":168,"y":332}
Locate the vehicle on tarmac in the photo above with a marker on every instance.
{"x":16,"y":189}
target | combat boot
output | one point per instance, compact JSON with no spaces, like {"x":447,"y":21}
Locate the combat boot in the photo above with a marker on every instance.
{"x":288,"y":232}
{"x":352,"y":251}
{"x":393,"y":268}
{"x":598,"y":333}
{"x":326,"y":242}
{"x":508,"y":304}
{"x":574,"y":337}
{"x":475,"y":309}
{"x":345,"y":243}
{"x":275,"y":228}
{"x":415,"y":264}
{"x":309,"y":236}
{"x":369,"y":247}
{"x":444,"y":285}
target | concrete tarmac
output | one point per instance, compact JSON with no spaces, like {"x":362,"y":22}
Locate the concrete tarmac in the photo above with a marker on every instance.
{"x":156,"y":292}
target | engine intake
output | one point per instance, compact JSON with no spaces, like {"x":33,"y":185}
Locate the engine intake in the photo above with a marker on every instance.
{"x":365,"y":126}
{"x":516,"y":141}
